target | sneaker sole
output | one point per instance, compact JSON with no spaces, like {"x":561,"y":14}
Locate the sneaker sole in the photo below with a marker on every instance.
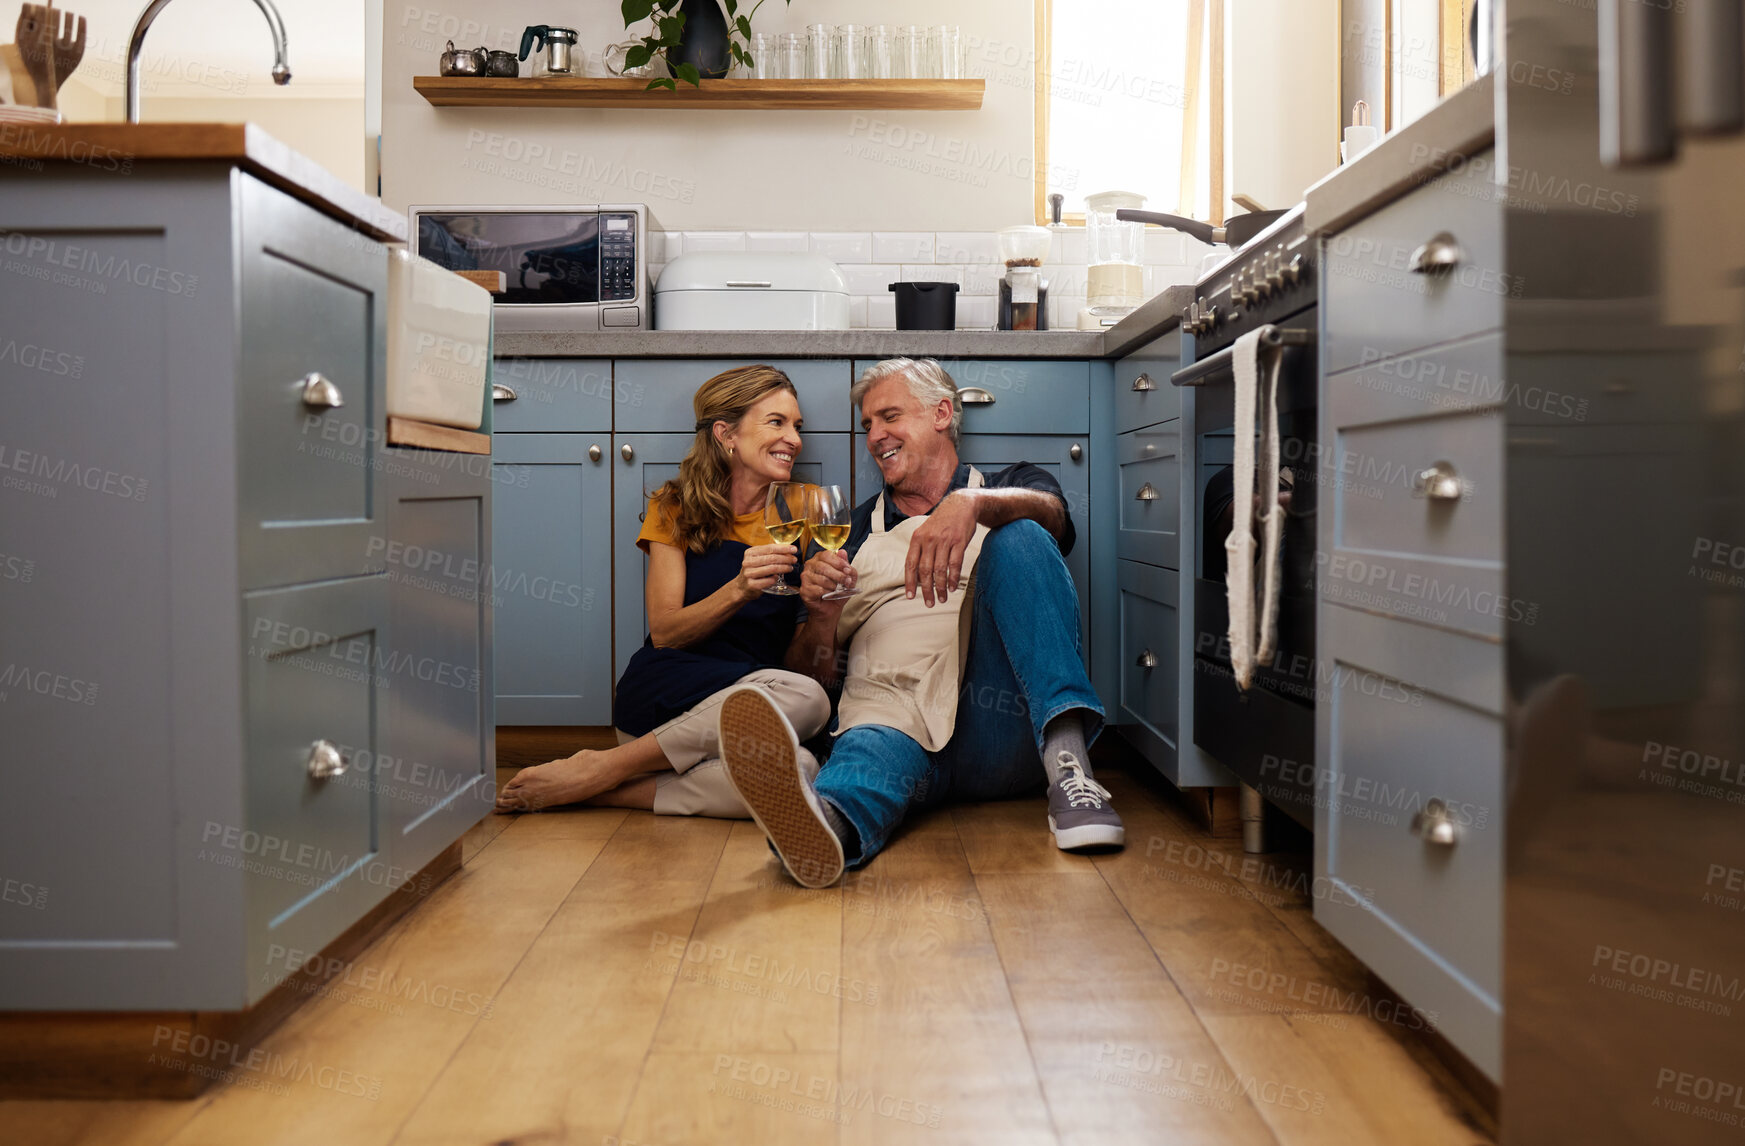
{"x":759,"y":748}
{"x":1088,"y":836}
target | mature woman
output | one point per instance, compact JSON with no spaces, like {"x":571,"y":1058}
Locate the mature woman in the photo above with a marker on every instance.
{"x":710,"y":624}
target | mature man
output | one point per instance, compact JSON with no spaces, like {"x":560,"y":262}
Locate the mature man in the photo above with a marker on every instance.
{"x":959,"y":577}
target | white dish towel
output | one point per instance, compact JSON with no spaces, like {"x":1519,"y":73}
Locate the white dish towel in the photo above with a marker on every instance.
{"x":1252,"y":638}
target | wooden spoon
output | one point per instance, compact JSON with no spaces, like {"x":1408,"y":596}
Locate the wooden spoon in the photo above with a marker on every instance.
{"x":36,"y":45}
{"x":69,"y":49}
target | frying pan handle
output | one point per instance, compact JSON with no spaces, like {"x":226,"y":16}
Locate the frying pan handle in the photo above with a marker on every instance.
{"x":1204,"y":232}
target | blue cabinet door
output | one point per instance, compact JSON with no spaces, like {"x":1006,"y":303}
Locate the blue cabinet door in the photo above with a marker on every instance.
{"x":644,"y":462}
{"x":551,"y":578}
{"x":1051,"y":452}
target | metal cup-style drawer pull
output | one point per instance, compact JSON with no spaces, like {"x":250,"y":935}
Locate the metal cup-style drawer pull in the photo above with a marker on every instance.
{"x":325,"y":760}
{"x":1435,"y":824}
{"x":319,"y":393}
{"x":1076,"y":452}
{"x":1438,"y":483}
{"x":1147,"y":492}
{"x":502,"y":393}
{"x":1147,"y":660}
{"x":593,"y":453}
{"x":1437,"y":257}
{"x":626,"y":452}
{"x":975,"y":396}
{"x":1143,"y":383}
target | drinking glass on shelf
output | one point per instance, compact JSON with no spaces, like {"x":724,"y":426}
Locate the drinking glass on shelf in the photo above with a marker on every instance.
{"x":764,"y":60}
{"x":829,"y":515}
{"x":946,"y":46}
{"x":784,"y":518}
{"x":880,"y":60}
{"x":848,"y":53}
{"x":911,"y":52}
{"x":791,"y":52}
{"x":818,"y":51}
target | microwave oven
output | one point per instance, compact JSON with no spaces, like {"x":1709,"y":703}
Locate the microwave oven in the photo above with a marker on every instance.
{"x":565,"y":268}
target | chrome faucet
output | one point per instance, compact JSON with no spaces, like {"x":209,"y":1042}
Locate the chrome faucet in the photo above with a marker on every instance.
{"x":281,"y":65}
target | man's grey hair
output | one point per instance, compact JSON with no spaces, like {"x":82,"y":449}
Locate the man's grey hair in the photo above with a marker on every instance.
{"x":927,"y":381}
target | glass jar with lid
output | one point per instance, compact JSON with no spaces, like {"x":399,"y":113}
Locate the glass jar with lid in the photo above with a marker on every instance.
{"x":1114,"y":254}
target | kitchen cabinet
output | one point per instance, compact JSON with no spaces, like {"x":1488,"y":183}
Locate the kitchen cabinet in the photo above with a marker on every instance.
{"x":552,"y":580}
{"x":224,"y":648}
{"x":1413,"y":616}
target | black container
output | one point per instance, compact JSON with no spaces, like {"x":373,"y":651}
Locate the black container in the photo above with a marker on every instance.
{"x":926,"y":306}
{"x":703,"y":43}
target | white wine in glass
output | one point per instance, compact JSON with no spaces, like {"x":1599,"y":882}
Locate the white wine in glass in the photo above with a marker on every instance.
{"x":784,"y":518}
{"x":829,"y":517}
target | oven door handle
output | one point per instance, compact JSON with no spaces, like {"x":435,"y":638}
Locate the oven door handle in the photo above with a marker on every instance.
{"x":1207,"y":369}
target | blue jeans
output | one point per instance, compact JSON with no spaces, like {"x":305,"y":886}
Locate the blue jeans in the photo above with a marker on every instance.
{"x":1023,"y":671}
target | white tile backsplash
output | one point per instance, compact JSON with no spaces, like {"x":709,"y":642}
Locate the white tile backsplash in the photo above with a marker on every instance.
{"x":902,"y":246}
{"x":872,"y":260}
{"x":871,"y":278}
{"x":778,"y":241}
{"x":844,"y":246}
{"x":696,"y":241}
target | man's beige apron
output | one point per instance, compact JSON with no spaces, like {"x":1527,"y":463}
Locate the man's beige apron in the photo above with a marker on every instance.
{"x":904,"y":667}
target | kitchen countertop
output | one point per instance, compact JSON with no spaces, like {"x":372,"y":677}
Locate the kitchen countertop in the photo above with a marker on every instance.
{"x":1157,"y":317}
{"x":1462,"y":125}
{"x":117,"y":147}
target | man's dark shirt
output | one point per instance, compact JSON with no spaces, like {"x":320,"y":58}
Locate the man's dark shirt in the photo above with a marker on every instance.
{"x":1020,"y":476}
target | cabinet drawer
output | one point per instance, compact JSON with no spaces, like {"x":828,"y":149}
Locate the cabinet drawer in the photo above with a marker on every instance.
{"x":654,"y":395}
{"x":318,"y":670}
{"x":1389,"y":746}
{"x":311,"y":303}
{"x":1143,"y":394}
{"x":1149,"y":464}
{"x":551,"y":395}
{"x":1150,"y":629}
{"x":1393,"y":549}
{"x":1373,"y":305}
{"x":1016,"y":397}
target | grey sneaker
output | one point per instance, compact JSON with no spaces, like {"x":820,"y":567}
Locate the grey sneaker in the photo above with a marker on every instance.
{"x":763,"y":761}
{"x":1078,"y":810}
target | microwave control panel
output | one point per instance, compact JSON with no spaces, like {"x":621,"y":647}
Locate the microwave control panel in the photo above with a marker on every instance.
{"x":617,"y":257}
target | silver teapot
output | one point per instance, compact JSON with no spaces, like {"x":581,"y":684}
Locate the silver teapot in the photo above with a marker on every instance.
{"x":462,"y":61}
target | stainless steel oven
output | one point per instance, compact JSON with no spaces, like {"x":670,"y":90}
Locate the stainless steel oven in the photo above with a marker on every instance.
{"x":576,"y":268}
{"x":1265,"y":735}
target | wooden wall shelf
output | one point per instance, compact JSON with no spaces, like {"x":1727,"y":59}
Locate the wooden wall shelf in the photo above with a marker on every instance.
{"x":719,"y":95}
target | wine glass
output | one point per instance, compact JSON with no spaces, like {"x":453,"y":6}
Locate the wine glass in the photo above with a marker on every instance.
{"x":829,"y":516}
{"x":784,"y":518}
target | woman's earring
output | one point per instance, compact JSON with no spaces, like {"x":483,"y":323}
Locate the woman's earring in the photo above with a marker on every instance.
{"x":729,"y":451}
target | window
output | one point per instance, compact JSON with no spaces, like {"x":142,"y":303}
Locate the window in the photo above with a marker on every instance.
{"x":1117,"y":93}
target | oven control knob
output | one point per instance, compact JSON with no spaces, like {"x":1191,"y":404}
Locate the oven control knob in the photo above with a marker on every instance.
{"x":1293,"y":270}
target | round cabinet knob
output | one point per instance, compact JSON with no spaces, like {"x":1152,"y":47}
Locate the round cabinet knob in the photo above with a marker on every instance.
{"x":1147,"y":660}
{"x":1077,"y":452}
{"x":594,"y":453}
{"x":502,"y":393}
{"x":626,"y":452}
{"x":1435,"y":824}
{"x":1437,"y":257}
{"x":1439,"y":482}
{"x":1147,"y":492}
{"x":325,"y":760}
{"x":319,"y":393}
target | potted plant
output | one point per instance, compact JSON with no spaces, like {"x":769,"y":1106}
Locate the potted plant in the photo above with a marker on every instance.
{"x":693,"y":36}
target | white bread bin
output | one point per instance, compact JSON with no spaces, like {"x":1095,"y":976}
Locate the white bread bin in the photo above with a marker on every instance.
{"x":751,"y":290}
{"x":439,"y":343}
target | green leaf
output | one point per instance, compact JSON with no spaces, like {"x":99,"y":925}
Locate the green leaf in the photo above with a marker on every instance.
{"x":663,"y":82}
{"x":635,"y":10}
{"x":732,"y":6}
{"x":638,"y":56}
{"x":745,"y":27}
{"x":688,"y":73}
{"x":671,"y":27}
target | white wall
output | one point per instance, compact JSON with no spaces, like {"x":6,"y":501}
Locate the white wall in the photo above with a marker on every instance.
{"x":1283,"y":84}
{"x":787,"y":170}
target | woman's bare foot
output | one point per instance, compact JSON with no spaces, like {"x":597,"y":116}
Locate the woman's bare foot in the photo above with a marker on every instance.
{"x":567,"y":781}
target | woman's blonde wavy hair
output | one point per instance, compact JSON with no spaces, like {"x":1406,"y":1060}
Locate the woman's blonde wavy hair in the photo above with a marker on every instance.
{"x":697,"y":501}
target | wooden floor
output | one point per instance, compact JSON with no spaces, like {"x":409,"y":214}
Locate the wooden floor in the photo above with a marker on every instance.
{"x":611,"y":978}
